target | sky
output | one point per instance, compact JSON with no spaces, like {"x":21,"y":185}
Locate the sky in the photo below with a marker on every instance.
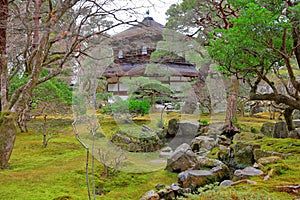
{"x":157,"y":10}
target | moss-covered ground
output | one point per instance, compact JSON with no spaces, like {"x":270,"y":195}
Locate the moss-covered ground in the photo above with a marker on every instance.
{"x":58,"y":171}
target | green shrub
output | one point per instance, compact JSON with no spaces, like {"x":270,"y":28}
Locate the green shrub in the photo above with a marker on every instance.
{"x":203,"y":122}
{"x":131,"y":106}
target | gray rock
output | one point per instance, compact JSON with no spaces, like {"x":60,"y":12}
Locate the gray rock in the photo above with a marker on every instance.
{"x":172,"y":127}
{"x":205,"y":162}
{"x":214,"y":130}
{"x":175,"y":187}
{"x":166,"y":152}
{"x":248,"y":136}
{"x":268,"y":129}
{"x":187,"y":127}
{"x":219,"y":169}
{"x":223,"y":140}
{"x":275,"y":129}
{"x":221,"y":172}
{"x":258,"y":166}
{"x":202,"y":142}
{"x":297,"y":123}
{"x":247,"y":172}
{"x":182,"y":159}
{"x":187,"y":131}
{"x":150,"y":195}
{"x":294,"y":134}
{"x":226,"y":183}
{"x":195,"y":178}
{"x":243,"y":154}
{"x":280,"y":130}
{"x":166,"y":194}
{"x":224,"y":154}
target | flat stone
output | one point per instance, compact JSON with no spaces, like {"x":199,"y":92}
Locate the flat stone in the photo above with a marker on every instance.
{"x":247,"y":172}
{"x":226,"y":183}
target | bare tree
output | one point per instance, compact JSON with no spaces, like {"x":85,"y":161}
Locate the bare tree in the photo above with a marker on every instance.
{"x":49,"y":35}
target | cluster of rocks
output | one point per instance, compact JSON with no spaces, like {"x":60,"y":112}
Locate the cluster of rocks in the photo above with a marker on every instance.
{"x":280,"y":130}
{"x":145,"y":140}
{"x":235,"y":162}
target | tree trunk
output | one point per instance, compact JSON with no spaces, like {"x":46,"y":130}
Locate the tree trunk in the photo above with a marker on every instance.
{"x":3,"y":62}
{"x":288,"y":116}
{"x":7,"y":137}
{"x":231,"y":116}
{"x":231,"y":112}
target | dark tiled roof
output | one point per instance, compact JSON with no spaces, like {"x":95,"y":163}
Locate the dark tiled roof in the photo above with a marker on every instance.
{"x":148,"y":24}
{"x":175,"y":69}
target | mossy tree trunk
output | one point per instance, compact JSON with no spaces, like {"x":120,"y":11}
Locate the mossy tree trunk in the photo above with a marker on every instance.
{"x":231,"y":111}
{"x":231,"y":116}
{"x":288,"y":116}
{"x":7,"y":137}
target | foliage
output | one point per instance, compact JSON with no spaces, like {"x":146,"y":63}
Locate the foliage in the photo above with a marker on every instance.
{"x":131,"y":106}
{"x":139,"y":107}
{"x":149,"y":90}
{"x":53,"y":90}
{"x":163,"y":55}
{"x":203,"y":122}
{"x":63,"y":163}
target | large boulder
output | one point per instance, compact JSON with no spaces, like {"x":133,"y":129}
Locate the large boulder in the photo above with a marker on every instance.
{"x":182,"y":159}
{"x":202,"y":142}
{"x":188,"y":127}
{"x":243,"y":154}
{"x":268,"y":129}
{"x":280,"y":130}
{"x":275,"y":129}
{"x":137,"y":141}
{"x":247,"y":172}
{"x":187,"y":131}
{"x":219,"y":169}
{"x":195,"y":178}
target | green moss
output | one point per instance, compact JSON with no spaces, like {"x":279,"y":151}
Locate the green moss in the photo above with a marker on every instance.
{"x":58,"y":171}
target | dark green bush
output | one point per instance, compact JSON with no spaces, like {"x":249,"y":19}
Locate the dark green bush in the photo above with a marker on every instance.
{"x":131,"y":106}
